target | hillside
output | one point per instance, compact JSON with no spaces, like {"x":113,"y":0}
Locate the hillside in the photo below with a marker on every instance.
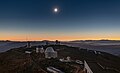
{"x":17,"y":61}
{"x":109,"y":46}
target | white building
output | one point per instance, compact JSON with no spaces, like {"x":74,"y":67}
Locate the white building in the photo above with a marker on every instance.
{"x":28,"y":44}
{"x":28,"y":52}
{"x":68,"y":59}
{"x":37,"y":50}
{"x":79,"y":62}
{"x":41,"y":50}
{"x":50,"y":53}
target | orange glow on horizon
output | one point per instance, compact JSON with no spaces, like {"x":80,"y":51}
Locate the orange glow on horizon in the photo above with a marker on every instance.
{"x":62,"y":38}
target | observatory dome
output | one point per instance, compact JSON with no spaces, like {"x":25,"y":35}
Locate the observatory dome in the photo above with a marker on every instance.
{"x":49,"y":49}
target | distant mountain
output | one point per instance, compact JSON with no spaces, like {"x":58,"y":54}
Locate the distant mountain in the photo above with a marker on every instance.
{"x":98,"y":42}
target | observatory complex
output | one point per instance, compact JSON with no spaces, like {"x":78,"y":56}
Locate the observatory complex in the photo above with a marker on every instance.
{"x":49,"y":52}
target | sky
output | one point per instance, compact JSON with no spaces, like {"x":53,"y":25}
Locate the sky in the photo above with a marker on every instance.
{"x":75,"y":20}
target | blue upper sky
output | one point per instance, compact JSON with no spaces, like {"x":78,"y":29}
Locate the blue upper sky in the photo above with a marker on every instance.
{"x":75,"y":18}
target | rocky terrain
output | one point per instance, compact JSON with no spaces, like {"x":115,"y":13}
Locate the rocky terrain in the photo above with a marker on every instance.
{"x":17,"y":61}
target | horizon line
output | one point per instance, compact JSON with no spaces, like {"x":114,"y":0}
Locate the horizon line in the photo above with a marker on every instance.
{"x":66,"y":40}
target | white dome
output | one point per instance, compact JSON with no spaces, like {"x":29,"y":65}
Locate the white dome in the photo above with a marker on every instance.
{"x":49,"y":49}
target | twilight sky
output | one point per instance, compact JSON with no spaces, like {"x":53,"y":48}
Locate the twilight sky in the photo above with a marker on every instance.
{"x":75,"y":19}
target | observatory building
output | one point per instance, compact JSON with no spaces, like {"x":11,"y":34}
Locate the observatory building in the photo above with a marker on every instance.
{"x":28,"y":44}
{"x":50,"y":53}
{"x":39,"y":49}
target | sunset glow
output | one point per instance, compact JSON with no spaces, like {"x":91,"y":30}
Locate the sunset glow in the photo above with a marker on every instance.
{"x":36,"y":37}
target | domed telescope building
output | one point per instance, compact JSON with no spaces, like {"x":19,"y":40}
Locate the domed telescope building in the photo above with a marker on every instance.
{"x":39,"y":49}
{"x":50,"y":53}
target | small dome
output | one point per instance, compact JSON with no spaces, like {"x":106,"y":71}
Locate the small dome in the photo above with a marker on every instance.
{"x":49,"y":49}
